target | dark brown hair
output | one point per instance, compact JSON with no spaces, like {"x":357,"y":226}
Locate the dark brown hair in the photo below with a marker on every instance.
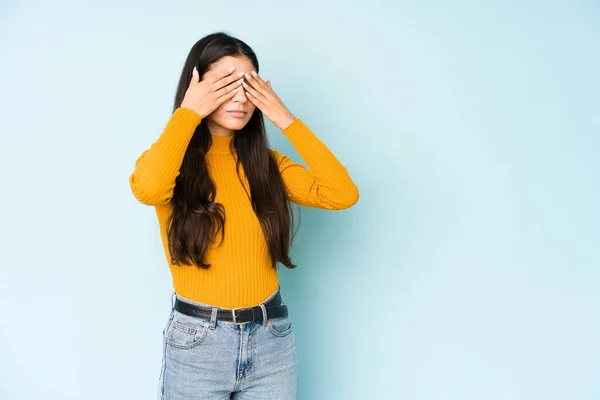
{"x":196,"y":219}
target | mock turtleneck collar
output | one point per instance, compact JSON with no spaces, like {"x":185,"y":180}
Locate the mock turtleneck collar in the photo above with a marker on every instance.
{"x":220,"y":144}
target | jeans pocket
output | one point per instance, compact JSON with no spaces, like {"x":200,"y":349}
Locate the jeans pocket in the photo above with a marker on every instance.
{"x":185,"y":332}
{"x":280,"y":326}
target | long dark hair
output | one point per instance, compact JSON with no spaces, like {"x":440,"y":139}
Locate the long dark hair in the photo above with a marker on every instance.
{"x":196,"y":219}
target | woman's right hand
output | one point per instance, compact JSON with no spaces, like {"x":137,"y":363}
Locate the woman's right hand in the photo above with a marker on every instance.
{"x":207,"y":95}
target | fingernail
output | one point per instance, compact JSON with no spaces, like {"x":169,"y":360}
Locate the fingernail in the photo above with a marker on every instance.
{"x":240,"y":73}
{"x":253,"y":72}
{"x":231,"y":69}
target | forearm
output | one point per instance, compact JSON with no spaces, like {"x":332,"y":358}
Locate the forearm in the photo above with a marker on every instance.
{"x":329,"y":172}
{"x":153,"y":179}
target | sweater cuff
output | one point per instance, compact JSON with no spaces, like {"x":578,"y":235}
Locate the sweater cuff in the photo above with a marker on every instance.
{"x":295,"y":129}
{"x":187,"y":118}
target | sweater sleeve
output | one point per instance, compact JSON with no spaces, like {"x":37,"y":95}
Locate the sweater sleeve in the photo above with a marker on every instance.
{"x":326,"y":184}
{"x":153,"y":179}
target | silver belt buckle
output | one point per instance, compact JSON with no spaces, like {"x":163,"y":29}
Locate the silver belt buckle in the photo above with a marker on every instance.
{"x":241,"y":308}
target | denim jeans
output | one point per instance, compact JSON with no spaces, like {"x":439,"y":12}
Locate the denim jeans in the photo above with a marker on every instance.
{"x":214,"y":359}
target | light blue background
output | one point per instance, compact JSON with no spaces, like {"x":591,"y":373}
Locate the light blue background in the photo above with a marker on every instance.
{"x":468,"y":269}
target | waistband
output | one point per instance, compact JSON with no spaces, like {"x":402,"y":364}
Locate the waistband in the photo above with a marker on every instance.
{"x":175,"y":295}
{"x":272,"y":307}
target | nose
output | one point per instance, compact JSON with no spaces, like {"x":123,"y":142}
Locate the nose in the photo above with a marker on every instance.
{"x":240,"y":96}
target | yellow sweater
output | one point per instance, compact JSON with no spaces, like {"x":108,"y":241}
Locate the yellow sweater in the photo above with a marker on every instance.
{"x":241,"y":274}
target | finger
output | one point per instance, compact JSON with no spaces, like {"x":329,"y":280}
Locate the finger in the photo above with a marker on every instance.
{"x":215,"y":76}
{"x":227,"y":96}
{"x":265,"y":92}
{"x":271,"y":95}
{"x":252,"y":99}
{"x":261,"y":90}
{"x":227,"y":80}
{"x":230,"y":87}
{"x":195,"y":76}
{"x":257,"y":102}
{"x":255,"y":81}
{"x":253,"y":91}
{"x":258,"y":78}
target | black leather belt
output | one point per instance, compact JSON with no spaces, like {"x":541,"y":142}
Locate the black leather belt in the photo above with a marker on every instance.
{"x":236,"y":315}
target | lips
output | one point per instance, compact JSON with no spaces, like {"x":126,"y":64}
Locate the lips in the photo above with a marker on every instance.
{"x":238,"y":114}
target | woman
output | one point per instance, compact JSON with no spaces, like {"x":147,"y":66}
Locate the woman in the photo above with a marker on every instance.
{"x":222,"y":198}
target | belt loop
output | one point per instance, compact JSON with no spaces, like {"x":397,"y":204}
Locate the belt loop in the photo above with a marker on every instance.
{"x":172,"y":301}
{"x":264,"y":313}
{"x":213,"y":318}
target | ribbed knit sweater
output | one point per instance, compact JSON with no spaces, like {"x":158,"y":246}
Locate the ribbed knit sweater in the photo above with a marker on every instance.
{"x":241,"y":274}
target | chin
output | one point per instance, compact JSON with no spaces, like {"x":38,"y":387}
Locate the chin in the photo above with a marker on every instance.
{"x":234,"y":125}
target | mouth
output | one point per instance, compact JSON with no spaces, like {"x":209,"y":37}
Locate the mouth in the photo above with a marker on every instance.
{"x":237,"y":114}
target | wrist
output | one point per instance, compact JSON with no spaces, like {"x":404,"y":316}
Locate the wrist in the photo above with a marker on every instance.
{"x":191,"y":109}
{"x":286,"y":122}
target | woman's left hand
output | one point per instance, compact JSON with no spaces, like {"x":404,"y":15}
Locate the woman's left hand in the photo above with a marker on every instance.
{"x":262,"y":96}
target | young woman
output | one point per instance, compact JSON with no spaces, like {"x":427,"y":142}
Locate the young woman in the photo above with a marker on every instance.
{"x":222,"y":198}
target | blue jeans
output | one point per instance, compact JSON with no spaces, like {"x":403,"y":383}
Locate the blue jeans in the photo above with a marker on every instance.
{"x":209,"y":359}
